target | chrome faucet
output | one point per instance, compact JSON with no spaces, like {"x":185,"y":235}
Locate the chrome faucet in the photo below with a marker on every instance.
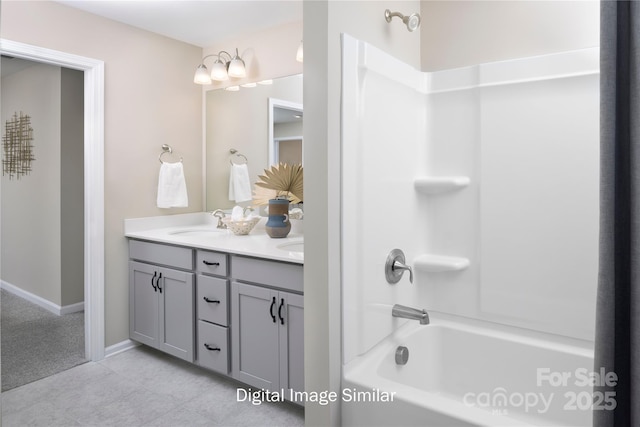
{"x":410,"y":313}
{"x":218,"y":213}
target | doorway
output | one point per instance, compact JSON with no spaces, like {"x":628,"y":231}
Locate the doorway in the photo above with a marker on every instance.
{"x":42,"y":220}
{"x":93,"y":218}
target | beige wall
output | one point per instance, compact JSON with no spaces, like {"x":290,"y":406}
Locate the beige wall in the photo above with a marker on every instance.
{"x":461,"y":33}
{"x":290,"y":151}
{"x":31,"y":205}
{"x":150,"y":99}
{"x":72,"y":186}
{"x":324,"y":21}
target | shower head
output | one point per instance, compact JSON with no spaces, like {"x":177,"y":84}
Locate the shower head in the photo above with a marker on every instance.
{"x":412,"y":21}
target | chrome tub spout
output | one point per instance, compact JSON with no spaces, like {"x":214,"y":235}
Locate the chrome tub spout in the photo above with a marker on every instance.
{"x":410,"y":313}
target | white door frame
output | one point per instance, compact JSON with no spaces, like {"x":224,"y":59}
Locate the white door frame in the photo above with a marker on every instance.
{"x":94,"y":323}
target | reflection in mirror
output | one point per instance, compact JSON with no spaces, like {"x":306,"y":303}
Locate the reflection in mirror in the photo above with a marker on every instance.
{"x":242,"y":121}
{"x":285,"y":132}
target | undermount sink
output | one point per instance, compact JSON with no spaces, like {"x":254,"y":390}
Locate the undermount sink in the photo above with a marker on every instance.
{"x":292,"y":246}
{"x":195,"y":231}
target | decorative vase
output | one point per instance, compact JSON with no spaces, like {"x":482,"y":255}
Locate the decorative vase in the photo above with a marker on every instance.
{"x":278,"y":224}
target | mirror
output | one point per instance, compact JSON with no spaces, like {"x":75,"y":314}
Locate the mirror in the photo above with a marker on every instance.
{"x":259,"y":123}
{"x":285,"y":132}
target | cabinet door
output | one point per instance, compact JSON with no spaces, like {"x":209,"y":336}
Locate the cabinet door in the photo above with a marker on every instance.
{"x":291,"y":324}
{"x":254,"y":334}
{"x":143,"y":303}
{"x":176,"y":331}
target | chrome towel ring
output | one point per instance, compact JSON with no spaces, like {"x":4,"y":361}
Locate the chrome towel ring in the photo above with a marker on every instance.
{"x":235,"y":152}
{"x":166,"y":148}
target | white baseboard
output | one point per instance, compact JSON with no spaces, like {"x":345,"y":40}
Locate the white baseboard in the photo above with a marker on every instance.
{"x":72,"y":308}
{"x":46,"y":304}
{"x":125,"y":345}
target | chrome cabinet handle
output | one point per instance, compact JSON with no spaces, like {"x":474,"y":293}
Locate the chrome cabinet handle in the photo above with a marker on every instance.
{"x":212,"y":301}
{"x":395,"y":267}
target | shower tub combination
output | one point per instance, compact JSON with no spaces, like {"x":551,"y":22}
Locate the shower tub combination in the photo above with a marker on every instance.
{"x":459,"y":373}
{"x":476,"y":163}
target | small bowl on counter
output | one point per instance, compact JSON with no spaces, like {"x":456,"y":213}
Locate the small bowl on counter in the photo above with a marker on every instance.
{"x":241,"y":227}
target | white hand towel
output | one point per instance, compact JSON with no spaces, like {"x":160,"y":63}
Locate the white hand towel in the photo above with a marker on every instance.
{"x":239,"y":184}
{"x":172,"y":188}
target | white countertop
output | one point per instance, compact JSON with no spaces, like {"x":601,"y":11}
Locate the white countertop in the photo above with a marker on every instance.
{"x":199,"y":230}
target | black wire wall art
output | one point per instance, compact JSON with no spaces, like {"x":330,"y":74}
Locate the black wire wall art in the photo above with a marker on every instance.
{"x":17,"y":147}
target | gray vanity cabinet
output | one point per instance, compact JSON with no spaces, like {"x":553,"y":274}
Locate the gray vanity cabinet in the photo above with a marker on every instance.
{"x":234,"y":314}
{"x":212,"y":311}
{"x":267,"y":324}
{"x":161,"y":300}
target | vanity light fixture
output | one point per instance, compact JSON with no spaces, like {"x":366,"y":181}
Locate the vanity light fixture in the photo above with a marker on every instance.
{"x":236,"y":67}
{"x":232,"y":88}
{"x":225,"y":66}
{"x":300,"y":53}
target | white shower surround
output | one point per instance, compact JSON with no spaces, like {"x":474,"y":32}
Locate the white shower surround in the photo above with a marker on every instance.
{"x":486,"y":177}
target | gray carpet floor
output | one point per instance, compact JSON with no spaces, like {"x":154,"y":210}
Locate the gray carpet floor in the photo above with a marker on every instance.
{"x":35,"y":342}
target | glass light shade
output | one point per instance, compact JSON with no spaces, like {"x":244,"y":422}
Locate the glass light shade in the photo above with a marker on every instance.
{"x":300,"y":53}
{"x":219,"y":71}
{"x":202,"y":75}
{"x":236,"y":67}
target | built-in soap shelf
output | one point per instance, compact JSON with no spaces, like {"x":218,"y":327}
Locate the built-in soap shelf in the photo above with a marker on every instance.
{"x":440,"y":184}
{"x":439,"y":263}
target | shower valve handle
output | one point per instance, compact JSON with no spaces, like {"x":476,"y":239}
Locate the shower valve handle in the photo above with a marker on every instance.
{"x":395,"y":267}
{"x":399,"y":266}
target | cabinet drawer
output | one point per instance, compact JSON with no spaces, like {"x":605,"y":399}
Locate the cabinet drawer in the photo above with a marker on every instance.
{"x":212,"y":263}
{"x":212,"y":299}
{"x":157,"y":253}
{"x":213,"y":347}
{"x":278,"y":274}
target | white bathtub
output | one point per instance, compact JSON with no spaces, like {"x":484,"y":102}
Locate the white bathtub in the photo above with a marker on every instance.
{"x":464,"y":372}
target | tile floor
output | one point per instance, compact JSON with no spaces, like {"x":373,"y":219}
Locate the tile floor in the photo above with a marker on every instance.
{"x":139,"y":387}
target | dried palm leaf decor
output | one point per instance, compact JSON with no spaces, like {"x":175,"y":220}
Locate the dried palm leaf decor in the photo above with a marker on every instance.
{"x":280,"y":181}
{"x":16,"y":146}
